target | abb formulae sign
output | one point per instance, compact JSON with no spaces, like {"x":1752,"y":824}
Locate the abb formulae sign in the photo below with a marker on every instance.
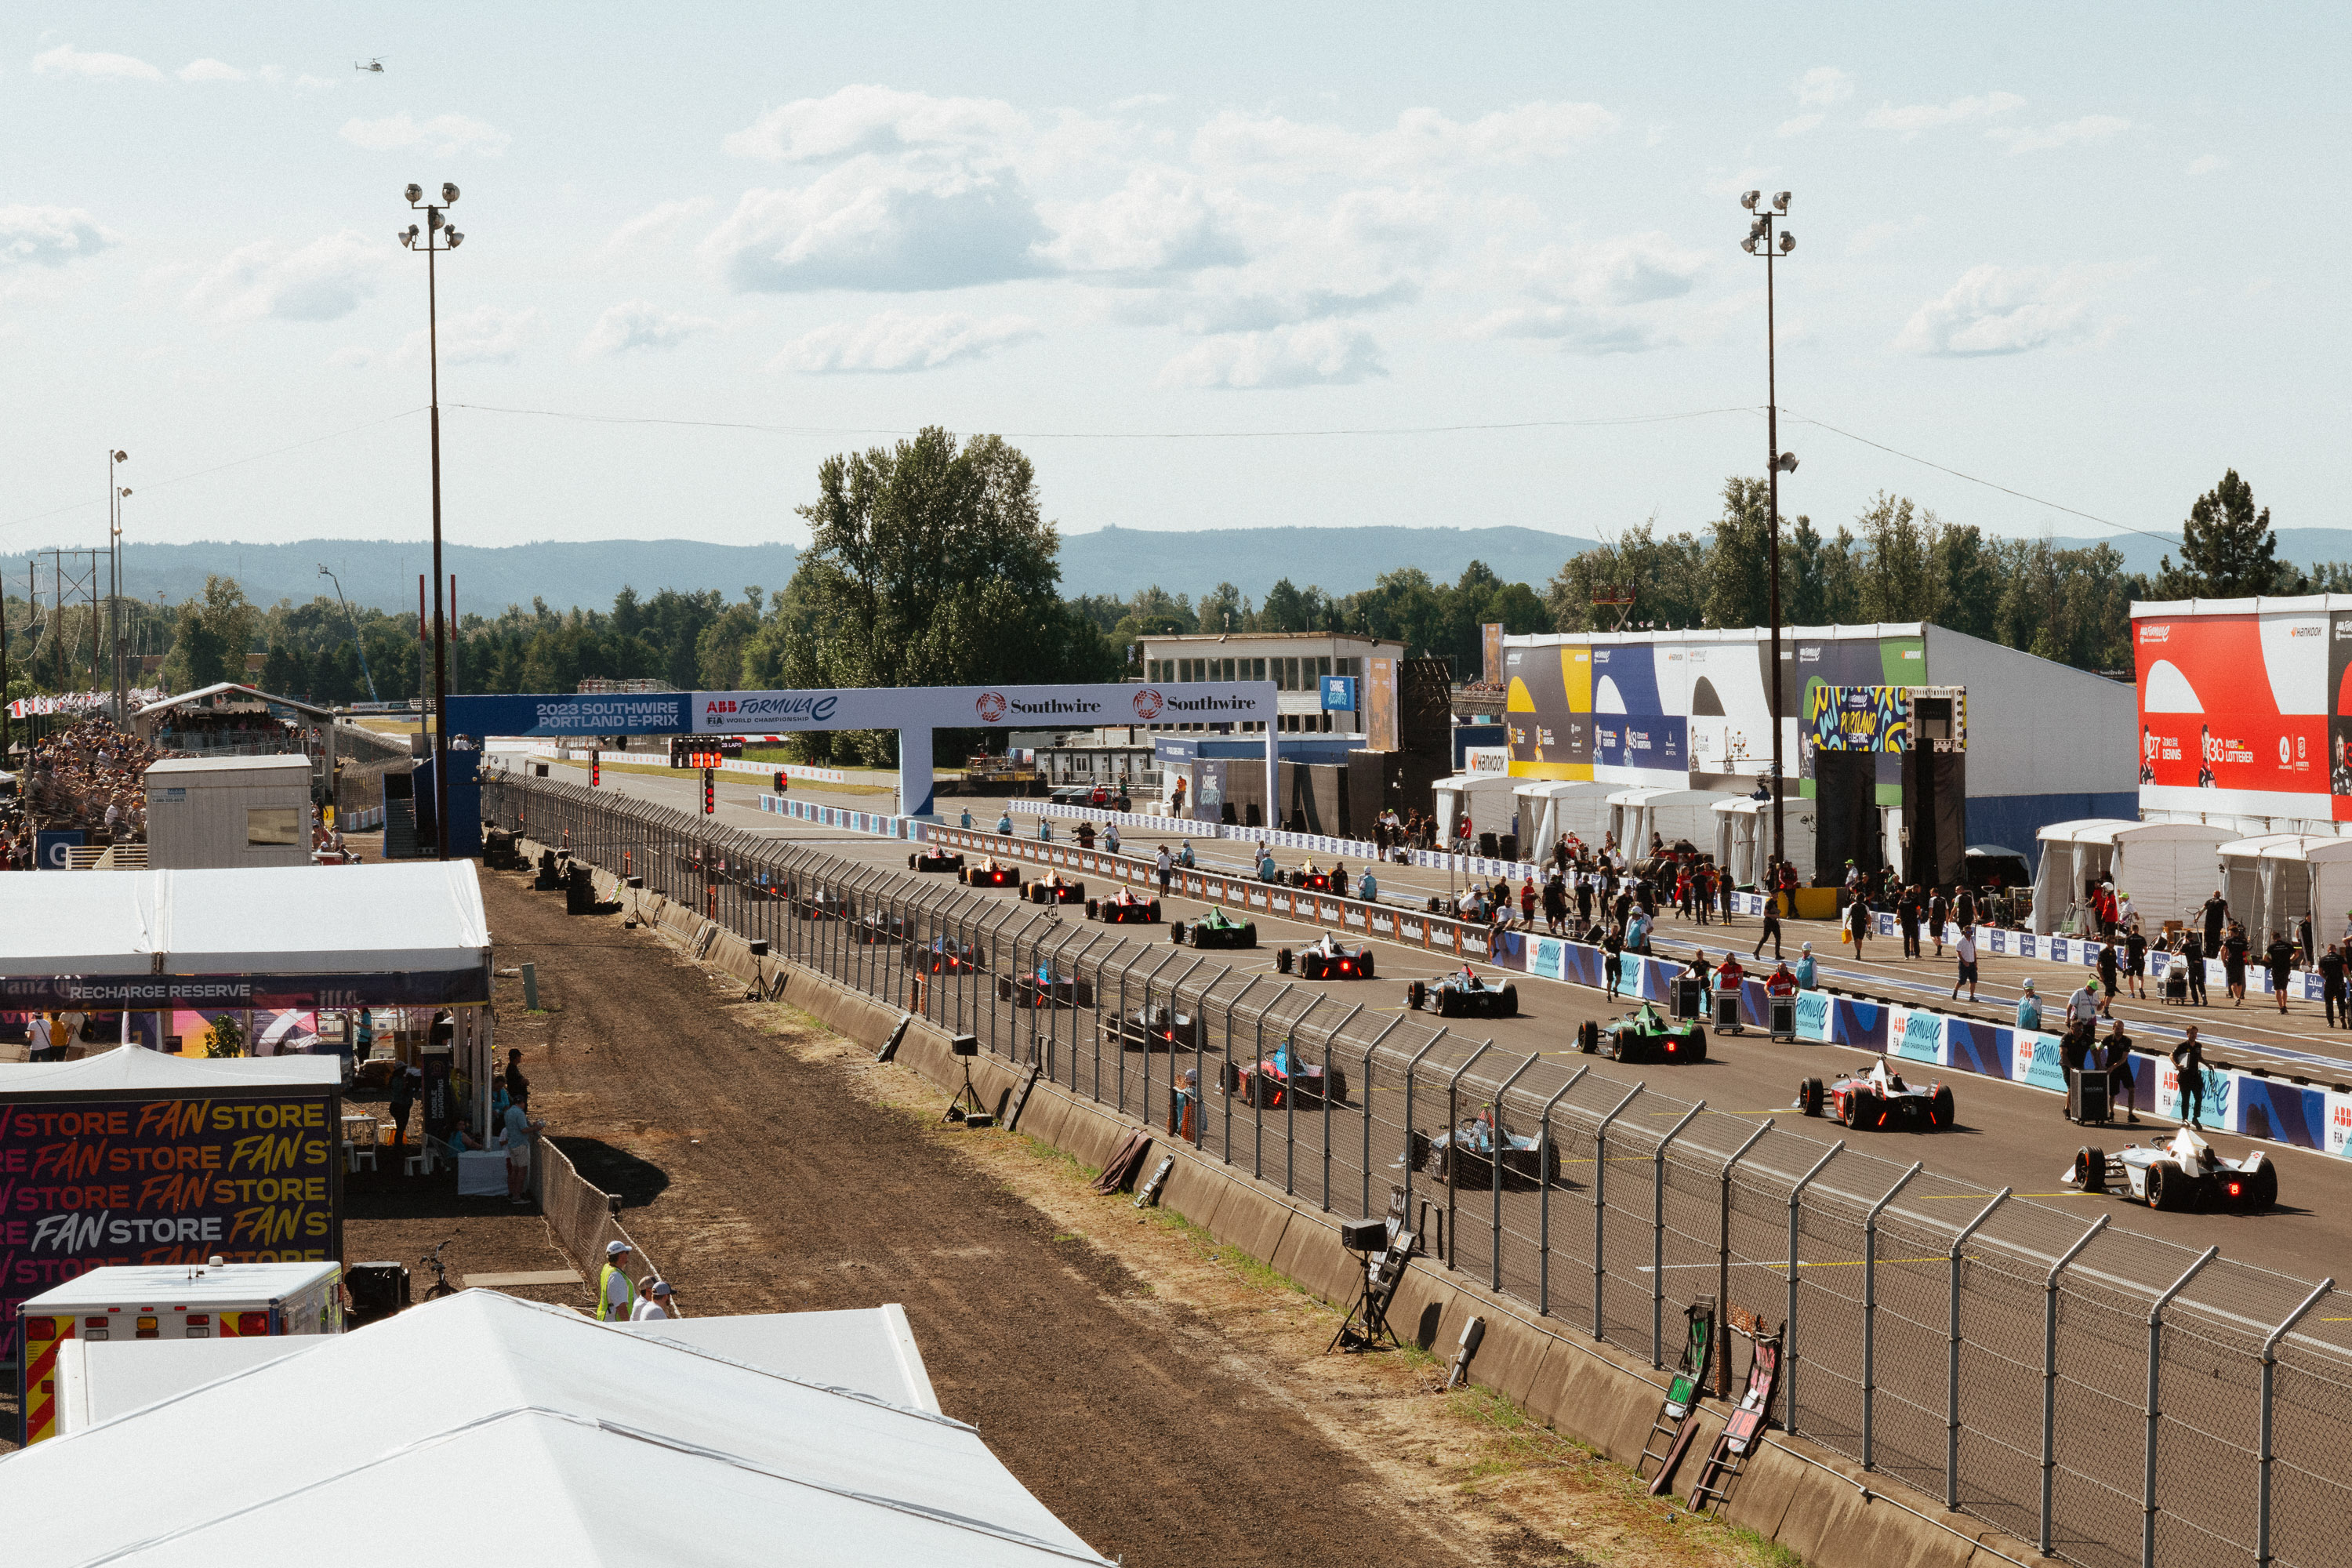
{"x":2245,"y":709}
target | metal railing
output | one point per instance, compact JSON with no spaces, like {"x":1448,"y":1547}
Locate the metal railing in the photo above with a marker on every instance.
{"x":2113,"y":1398}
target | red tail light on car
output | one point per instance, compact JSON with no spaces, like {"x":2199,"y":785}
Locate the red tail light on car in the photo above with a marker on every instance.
{"x":2233,"y":1189}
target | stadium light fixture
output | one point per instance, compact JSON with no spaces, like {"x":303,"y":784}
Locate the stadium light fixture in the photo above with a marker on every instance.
{"x":1779,"y":203}
{"x":1760,"y":235}
{"x":1750,"y":199}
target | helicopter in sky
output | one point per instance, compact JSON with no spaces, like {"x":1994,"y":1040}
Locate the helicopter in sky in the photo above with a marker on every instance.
{"x":375,"y":65}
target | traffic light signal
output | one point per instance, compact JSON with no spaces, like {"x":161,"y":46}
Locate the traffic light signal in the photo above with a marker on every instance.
{"x":780,"y":781}
{"x":596,"y":768}
{"x":709,"y":794}
{"x":678,"y":746}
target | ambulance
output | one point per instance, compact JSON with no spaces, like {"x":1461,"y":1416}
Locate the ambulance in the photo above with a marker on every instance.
{"x":210,"y":1300}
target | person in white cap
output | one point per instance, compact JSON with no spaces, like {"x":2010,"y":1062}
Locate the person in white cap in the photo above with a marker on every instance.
{"x":1806,"y":974}
{"x":2028,"y":1008}
{"x":655,"y":1300}
{"x":612,"y":1303}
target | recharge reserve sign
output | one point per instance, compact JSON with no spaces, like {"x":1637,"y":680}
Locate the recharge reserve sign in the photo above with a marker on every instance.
{"x":144,"y":1181}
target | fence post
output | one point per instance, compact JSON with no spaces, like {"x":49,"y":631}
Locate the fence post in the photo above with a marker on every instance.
{"x":1411,"y":1068}
{"x":1543,"y":1195}
{"x":1453,"y":1142}
{"x":1495,"y":1243}
{"x":1658,"y":1236}
{"x":2263,"y":1556}
{"x":1332,"y":1039}
{"x":1789,"y":1323}
{"x":2154,"y":1342}
{"x":1364,"y":1090}
{"x":1140,"y":954}
{"x":1201,"y":1088}
{"x":1258,"y":1102}
{"x":1952,"y":1365}
{"x":1869,"y":1307}
{"x":1289,"y":1097}
{"x":1600,"y":1201}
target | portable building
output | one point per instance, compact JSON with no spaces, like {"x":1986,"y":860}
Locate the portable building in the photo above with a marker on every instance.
{"x":207,"y":813}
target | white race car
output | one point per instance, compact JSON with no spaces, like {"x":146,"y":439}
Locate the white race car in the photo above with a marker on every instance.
{"x":2178,"y":1172}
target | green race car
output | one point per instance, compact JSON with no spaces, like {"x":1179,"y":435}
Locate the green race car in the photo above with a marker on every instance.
{"x":1643,"y":1037}
{"x":1215,"y":928}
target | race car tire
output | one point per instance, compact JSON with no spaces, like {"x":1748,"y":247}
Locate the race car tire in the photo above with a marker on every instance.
{"x":2167,"y":1187}
{"x":1281,"y":959}
{"x":1620,"y":1045}
{"x":1940,"y":1113}
{"x":1367,"y":965}
{"x":1249,"y":933}
{"x":1176,"y":933}
{"x":1809,"y":1096}
{"x":2261,"y":1188}
{"x":2091,"y":1169}
{"x":1094,"y":909}
{"x":1417,"y":1150}
{"x":1154,"y":915}
{"x":1335,"y":1085}
{"x":1588,"y":1036}
{"x":1444,"y":1001}
{"x":1229,"y":1077}
{"x":1510,"y":1002}
{"x":1416,"y":993}
{"x":1697,"y":1046}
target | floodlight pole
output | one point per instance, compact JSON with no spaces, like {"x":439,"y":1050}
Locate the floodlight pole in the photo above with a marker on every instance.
{"x":1762,"y":233}
{"x":435,"y":238}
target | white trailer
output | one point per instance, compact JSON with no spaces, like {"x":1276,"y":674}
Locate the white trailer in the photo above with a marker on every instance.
{"x":204,"y":813}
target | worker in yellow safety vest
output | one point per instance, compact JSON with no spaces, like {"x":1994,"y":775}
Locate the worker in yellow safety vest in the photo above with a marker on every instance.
{"x":613,"y":1295}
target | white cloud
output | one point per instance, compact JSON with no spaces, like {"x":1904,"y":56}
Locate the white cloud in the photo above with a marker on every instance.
{"x":322,"y":281}
{"x":50,"y":237}
{"x":1824,"y":86}
{"x":66,"y":61}
{"x":876,"y":225}
{"x":1422,"y":140}
{"x":484,"y":335}
{"x":895,"y":341}
{"x":353,"y":357}
{"x":210,"y":70}
{"x":641,"y":324}
{"x":2089,"y":128}
{"x":1321,"y":353}
{"x":657,"y":223}
{"x":876,"y":120}
{"x":1573,"y":328}
{"x":1629,"y":269}
{"x":2010,"y":309}
{"x":1912,"y":119}
{"x":2211,"y":164}
{"x":443,"y":135}
{"x":1162,"y":220}
{"x":1798,"y":125}
{"x":1871,"y":236}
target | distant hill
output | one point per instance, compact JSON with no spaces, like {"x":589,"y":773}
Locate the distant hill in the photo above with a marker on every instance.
{"x":2304,"y":546}
{"x":384,"y":573}
{"x":1118,"y":560}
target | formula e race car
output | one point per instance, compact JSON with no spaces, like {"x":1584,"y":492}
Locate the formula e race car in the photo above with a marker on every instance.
{"x":934,"y":861}
{"x":1215,"y":928}
{"x":1124,"y":908}
{"x":1878,"y":1100}
{"x":1309,"y":878}
{"x":1263,"y":1084}
{"x":1159,"y":1028}
{"x":1462,"y":994}
{"x":1643,"y":1037}
{"x":881,"y":926}
{"x":1467,"y":1156}
{"x":1051,"y":889}
{"x":824,"y":904}
{"x":2178,"y":1173}
{"x":988,"y":873}
{"x":943,"y":955}
{"x":1327,"y":960}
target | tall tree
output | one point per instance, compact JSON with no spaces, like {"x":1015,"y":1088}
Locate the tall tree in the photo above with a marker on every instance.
{"x":1739,"y":591}
{"x":2228,"y":550}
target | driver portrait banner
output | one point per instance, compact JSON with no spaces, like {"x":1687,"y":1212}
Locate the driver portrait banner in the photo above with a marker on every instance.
{"x":2236,"y":710}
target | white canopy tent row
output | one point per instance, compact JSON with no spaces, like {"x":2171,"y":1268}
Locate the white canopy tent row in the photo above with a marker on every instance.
{"x":1550,"y":807}
{"x":1486,"y":797}
{"x":2275,"y":881}
{"x":1743,"y":835}
{"x":1637,"y":814}
{"x":592,"y":1442}
{"x":2166,"y":867}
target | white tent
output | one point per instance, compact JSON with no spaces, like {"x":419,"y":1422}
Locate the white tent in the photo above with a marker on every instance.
{"x":1671,"y":814}
{"x":151,"y":1072}
{"x":1487,"y":797}
{"x":1550,"y":807}
{"x":592,"y":1444}
{"x":2166,"y":867}
{"x":1743,"y":834}
{"x":422,"y":915}
{"x":2267,"y":880}
{"x":2303,"y":877}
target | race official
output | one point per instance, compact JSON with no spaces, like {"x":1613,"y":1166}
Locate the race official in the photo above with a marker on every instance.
{"x":1165,"y":864}
{"x":2192,"y":962}
{"x":2331,"y":986}
{"x":2118,"y":1063}
{"x":1807,"y":976}
{"x":1967,"y":950}
{"x":2083,"y":1008}
{"x":613,"y":1293}
{"x":2189,"y":1060}
{"x":1368,"y":887}
{"x":1004,"y":822}
{"x":1771,"y":928}
{"x":2029,"y":1009}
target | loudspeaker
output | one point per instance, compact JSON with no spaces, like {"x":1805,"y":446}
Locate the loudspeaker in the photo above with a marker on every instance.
{"x":965,"y":1045}
{"x":1363,"y":1234}
{"x":758,"y":947}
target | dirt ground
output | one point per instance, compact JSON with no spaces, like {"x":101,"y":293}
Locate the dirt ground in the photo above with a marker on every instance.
{"x":1167,"y":1398}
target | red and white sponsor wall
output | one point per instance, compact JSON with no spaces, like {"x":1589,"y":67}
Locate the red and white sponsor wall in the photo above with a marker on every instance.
{"x":2245,"y":705}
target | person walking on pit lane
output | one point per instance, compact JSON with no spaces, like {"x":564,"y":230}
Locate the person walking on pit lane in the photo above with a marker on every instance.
{"x":2135,"y":960}
{"x":2217,"y":913}
{"x":2029,"y":1009}
{"x":2083,"y":1009}
{"x":1968,"y":973}
{"x":1858,"y":922}
{"x":1808,"y":977}
{"x":2331,"y":986}
{"x":2110,"y":975}
{"x":2193,"y":964}
{"x":2279,"y":957}
{"x":2118,"y":1064}
{"x":2233,"y":963}
{"x":1939,"y":913}
{"x":2188,"y":1061}
{"x":1611,"y":959}
{"x":1771,"y":928}
{"x":1907,"y":913}
{"x":613,"y":1293}
{"x":1163,"y":865}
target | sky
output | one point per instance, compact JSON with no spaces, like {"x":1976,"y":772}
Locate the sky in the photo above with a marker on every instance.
{"x":1210,"y":266}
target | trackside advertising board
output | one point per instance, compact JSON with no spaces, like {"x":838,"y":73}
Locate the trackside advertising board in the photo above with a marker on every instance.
{"x":2243,"y":705}
{"x":148,"y":1179}
{"x":868,"y":708}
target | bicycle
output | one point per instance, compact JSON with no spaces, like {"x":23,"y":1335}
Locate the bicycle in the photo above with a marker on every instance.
{"x":440,"y":1286}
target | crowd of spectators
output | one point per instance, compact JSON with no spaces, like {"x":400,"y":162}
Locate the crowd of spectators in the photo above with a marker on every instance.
{"x":87,"y":777}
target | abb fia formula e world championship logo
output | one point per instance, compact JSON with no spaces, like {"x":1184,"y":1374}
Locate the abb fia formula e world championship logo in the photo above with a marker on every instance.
{"x":991,"y":706}
{"x":1148,"y":703}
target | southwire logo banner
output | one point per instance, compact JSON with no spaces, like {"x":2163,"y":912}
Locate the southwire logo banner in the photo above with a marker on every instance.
{"x":981,"y":707}
{"x":562,"y":713}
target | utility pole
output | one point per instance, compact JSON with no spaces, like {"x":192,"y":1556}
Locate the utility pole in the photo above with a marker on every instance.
{"x":114,"y":496}
{"x":435,"y":237}
{"x":359,"y":647}
{"x":1761,"y":242}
